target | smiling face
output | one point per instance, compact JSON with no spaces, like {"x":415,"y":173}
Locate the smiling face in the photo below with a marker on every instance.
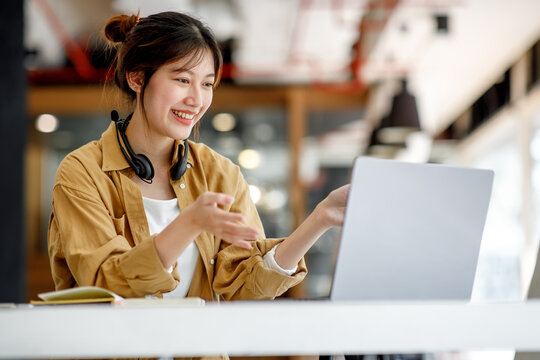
{"x":177,"y":96}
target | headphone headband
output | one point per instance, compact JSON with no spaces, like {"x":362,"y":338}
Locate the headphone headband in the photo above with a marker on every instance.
{"x":139,"y":162}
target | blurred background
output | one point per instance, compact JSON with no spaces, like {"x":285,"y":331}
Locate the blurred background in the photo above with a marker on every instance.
{"x":308,"y":85}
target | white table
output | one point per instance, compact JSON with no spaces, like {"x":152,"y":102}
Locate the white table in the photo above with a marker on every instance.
{"x":266,"y":328}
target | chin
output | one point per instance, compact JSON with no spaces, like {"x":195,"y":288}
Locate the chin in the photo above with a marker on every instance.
{"x":181,"y":135}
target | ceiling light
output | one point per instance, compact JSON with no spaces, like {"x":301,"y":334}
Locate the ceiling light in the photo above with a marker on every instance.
{"x":255,"y":193}
{"x":441,"y":22}
{"x":46,"y":123}
{"x":402,"y":120}
{"x":224,"y":122}
{"x":394,"y":135}
{"x":249,"y":159}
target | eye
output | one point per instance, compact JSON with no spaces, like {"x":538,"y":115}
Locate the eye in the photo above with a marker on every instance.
{"x":183,"y":80}
{"x":208,"y":84}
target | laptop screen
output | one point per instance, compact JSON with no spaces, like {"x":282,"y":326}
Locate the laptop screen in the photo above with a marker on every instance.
{"x":411,"y":232}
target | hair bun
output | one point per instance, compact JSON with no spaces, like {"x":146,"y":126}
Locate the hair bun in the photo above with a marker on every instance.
{"x":118,"y":27}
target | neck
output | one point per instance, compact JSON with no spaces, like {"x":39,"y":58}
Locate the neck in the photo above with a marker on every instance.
{"x":157,"y":148}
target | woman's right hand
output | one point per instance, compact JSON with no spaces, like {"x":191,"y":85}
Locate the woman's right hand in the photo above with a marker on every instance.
{"x":206,"y":215}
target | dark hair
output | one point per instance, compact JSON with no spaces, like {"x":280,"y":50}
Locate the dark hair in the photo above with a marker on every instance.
{"x":147,"y":43}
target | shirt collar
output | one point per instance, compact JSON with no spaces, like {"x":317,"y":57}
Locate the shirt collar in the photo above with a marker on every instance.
{"x":113,"y":159}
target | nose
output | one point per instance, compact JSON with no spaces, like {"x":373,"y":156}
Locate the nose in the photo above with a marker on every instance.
{"x":194,"y":98}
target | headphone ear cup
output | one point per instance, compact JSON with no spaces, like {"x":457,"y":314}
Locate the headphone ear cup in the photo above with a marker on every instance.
{"x":145,"y":170}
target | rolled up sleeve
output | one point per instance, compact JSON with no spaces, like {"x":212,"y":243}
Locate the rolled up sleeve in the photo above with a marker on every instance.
{"x":241,"y":273}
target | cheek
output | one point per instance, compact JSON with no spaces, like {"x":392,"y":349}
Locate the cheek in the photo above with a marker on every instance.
{"x":170,"y":94}
{"x":157,"y":98}
{"x":208,"y":100}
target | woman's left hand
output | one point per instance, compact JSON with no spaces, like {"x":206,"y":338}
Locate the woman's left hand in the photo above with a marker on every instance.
{"x":328,"y":213}
{"x":332,"y":208}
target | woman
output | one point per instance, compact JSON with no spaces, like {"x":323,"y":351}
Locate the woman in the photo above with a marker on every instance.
{"x":144,"y":212}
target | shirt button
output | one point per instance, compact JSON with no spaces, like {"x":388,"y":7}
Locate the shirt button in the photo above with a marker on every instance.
{"x":189,"y":166}
{"x":182,"y":186}
{"x":212,"y":261}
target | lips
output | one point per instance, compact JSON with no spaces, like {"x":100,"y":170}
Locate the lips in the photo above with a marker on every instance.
{"x":183,"y":115}
{"x":185,"y":118}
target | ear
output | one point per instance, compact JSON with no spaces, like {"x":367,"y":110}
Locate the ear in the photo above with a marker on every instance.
{"x":135,"y":80}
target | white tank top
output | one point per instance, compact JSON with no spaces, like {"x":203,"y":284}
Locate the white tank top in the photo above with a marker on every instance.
{"x":159,"y":214}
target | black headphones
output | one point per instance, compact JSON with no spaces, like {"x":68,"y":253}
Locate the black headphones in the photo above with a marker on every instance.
{"x":139,"y":162}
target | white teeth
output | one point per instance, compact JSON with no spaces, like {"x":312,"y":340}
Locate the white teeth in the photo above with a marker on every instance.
{"x":183,"y":115}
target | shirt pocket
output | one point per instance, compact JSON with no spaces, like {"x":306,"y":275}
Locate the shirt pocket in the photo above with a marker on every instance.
{"x":120,"y":225}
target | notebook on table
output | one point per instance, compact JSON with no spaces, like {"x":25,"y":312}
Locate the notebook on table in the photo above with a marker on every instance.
{"x":411,"y":231}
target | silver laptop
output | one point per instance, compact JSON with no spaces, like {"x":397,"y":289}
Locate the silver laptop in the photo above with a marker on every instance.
{"x":411,"y":231}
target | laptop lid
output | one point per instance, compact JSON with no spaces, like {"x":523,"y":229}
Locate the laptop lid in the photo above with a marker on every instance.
{"x":411,"y":231}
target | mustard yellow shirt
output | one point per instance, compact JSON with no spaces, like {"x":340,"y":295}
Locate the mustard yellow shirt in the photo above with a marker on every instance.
{"x":98,"y":232}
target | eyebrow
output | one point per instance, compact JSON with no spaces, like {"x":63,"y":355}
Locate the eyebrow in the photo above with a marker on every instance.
{"x":181,"y":70}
